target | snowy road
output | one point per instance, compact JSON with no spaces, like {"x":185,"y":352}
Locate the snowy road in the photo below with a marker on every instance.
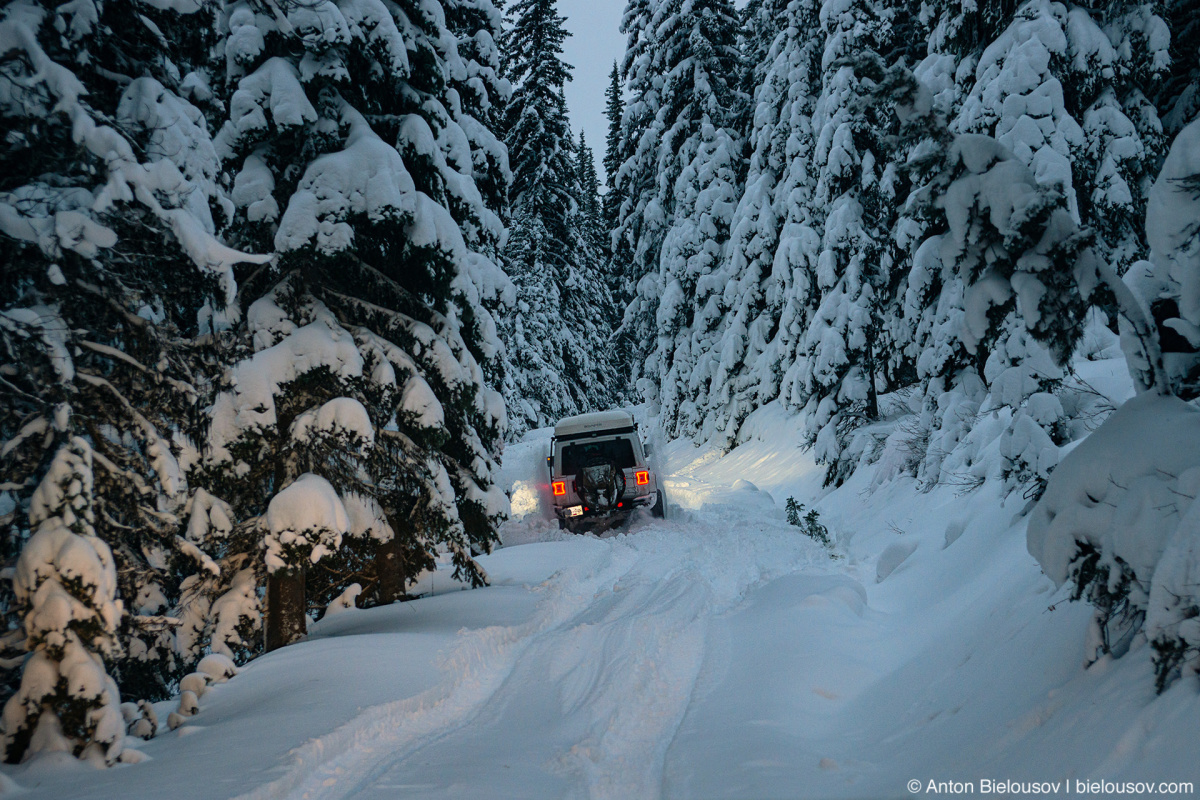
{"x":584,"y":696}
{"x":716,"y":654}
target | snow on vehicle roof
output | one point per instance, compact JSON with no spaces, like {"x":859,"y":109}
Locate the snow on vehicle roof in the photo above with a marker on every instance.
{"x":598,"y":421}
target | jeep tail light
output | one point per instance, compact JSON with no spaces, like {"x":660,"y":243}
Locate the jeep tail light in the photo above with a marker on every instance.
{"x":642,"y":478}
{"x":559,"y":487}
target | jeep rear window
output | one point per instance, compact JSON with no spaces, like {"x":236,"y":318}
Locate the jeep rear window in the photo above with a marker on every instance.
{"x":618,"y":451}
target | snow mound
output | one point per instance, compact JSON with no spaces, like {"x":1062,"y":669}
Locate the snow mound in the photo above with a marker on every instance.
{"x":891,"y":558}
{"x":342,"y":417}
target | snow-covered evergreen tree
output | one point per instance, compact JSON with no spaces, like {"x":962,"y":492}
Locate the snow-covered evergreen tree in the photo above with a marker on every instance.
{"x":840,"y":356}
{"x":117,"y":291}
{"x":761,"y":22}
{"x":1013,"y":271}
{"x":640,"y":221}
{"x":362,"y":360}
{"x":1169,"y":283}
{"x":771,"y":262}
{"x":591,"y":214}
{"x":558,"y":337}
{"x":482,"y":92}
{"x":686,"y":217}
{"x":1119,"y":517}
{"x":614,"y":110}
{"x":1062,"y":88}
{"x":66,"y":590}
{"x":688,"y":289}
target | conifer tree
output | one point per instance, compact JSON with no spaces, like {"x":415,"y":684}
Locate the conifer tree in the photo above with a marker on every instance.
{"x":109,"y":186}
{"x":614,"y":111}
{"x":66,"y":585}
{"x":1169,"y":282}
{"x":771,"y":259}
{"x":640,"y":221}
{"x":841,"y":355}
{"x":557,"y":339}
{"x":477,"y":26}
{"x":591,"y":215}
{"x":360,"y":379}
{"x":675,"y":311}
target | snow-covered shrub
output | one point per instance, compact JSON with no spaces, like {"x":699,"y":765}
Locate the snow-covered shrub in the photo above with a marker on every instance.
{"x":143,"y":722}
{"x":237,"y":619}
{"x":66,"y":587}
{"x":1119,"y":522}
{"x":217,"y":667}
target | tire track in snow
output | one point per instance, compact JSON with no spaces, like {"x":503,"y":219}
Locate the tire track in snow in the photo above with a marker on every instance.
{"x":631,"y":674}
{"x":337,"y":764}
{"x":633,"y":665}
{"x":620,"y":644}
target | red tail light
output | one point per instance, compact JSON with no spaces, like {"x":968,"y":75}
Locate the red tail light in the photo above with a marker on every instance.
{"x":643,"y":478}
{"x":559,"y":487}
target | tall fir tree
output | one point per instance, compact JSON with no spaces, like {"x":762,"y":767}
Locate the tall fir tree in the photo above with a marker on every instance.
{"x":640,"y":221}
{"x":839,"y":365}
{"x":1061,"y":89}
{"x":359,"y":382}
{"x":686,"y":215}
{"x":771,"y":261}
{"x":477,"y":26}
{"x":614,"y":111}
{"x":558,"y":337}
{"x":590,"y":205}
{"x":117,"y":296}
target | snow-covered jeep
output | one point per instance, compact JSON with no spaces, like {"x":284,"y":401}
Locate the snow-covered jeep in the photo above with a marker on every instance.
{"x":598,"y":472}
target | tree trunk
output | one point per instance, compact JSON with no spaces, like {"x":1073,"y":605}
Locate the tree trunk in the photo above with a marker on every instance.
{"x":286,"y":621}
{"x":872,"y":392}
{"x":389,"y":566}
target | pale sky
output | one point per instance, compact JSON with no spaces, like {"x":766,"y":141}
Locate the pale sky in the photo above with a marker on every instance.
{"x":594,"y":43}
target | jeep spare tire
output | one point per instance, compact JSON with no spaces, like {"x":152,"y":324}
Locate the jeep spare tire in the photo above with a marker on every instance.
{"x":600,"y":483}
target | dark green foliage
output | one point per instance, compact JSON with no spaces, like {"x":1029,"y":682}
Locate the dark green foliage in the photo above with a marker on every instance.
{"x":1179,"y":97}
{"x":1171,"y":653}
{"x":614,"y":110}
{"x":139,"y":354}
{"x":808,"y":522}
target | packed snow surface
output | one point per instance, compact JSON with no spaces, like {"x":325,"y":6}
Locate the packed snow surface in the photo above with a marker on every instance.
{"x":718,"y":653}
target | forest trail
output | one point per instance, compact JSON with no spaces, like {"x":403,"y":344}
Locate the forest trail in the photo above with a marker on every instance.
{"x":719,"y":653}
{"x":584,"y":697}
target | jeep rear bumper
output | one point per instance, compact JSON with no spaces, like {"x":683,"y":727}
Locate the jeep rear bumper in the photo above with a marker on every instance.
{"x":626,"y":505}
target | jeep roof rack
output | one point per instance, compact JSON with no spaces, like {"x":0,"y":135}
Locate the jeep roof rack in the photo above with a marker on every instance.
{"x":600,"y":423}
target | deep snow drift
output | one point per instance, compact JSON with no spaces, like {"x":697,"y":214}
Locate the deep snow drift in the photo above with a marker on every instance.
{"x":717,"y":653}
